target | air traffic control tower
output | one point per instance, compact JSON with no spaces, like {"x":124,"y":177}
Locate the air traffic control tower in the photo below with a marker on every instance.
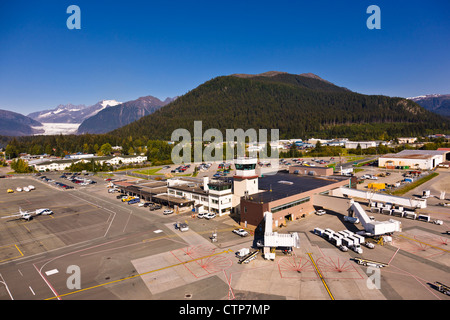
{"x":245,"y":180}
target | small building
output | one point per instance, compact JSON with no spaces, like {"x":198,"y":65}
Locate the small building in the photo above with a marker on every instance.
{"x":406,"y":140}
{"x":413,"y":159}
{"x":64,"y":164}
{"x":54,"y":165}
{"x":80,"y":156}
{"x":210,"y":196}
{"x":129,"y":159}
{"x":312,"y":171}
{"x":362,"y":144}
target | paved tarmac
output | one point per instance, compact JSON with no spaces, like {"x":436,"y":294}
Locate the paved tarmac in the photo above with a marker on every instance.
{"x":127,"y":252}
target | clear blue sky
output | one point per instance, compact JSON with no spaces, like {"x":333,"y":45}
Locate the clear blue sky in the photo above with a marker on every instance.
{"x":129,"y":49}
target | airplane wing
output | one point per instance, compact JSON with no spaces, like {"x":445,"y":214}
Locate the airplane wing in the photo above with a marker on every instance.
{"x":17,"y":214}
{"x":21,"y":214}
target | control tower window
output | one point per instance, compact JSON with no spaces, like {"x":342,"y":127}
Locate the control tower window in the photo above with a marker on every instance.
{"x":250,"y":166}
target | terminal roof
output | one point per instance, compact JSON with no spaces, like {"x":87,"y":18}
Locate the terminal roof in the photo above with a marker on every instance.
{"x":283,"y":185}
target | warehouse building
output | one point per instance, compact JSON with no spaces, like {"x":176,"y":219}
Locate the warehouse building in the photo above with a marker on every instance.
{"x":362,"y":144}
{"x":413,"y":159}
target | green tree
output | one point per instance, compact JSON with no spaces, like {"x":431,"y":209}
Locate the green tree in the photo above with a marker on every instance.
{"x":106,"y":149}
{"x":358,"y":149}
{"x":20,"y":166}
{"x":319,"y":147}
{"x":11,"y":151}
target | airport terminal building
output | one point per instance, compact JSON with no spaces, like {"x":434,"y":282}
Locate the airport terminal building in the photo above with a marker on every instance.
{"x":287,"y":196}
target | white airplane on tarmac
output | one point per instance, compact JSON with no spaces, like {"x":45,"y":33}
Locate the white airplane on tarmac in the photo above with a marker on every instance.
{"x":22,"y":215}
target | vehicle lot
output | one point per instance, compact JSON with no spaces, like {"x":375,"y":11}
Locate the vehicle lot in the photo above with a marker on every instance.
{"x":129,"y":252}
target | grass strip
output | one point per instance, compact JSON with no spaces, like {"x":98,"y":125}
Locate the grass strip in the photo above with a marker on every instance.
{"x":414,"y":184}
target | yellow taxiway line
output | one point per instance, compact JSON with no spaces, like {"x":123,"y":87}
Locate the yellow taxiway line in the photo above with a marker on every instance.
{"x":138,"y":275}
{"x":21,"y":254}
{"x":320,"y":276}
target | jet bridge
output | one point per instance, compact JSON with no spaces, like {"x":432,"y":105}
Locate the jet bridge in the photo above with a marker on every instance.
{"x":372,"y":227}
{"x":386,"y":198}
{"x":274,"y":240}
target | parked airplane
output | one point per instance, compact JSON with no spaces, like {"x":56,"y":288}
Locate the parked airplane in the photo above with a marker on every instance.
{"x":22,"y":215}
{"x":43,"y":211}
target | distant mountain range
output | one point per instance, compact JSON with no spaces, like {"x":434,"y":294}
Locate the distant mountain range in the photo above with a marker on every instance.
{"x":16,"y":124}
{"x":104,"y":116}
{"x":122,"y":114}
{"x":438,"y":103}
{"x":70,"y":113}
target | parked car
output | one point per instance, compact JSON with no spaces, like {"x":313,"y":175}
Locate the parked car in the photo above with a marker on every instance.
{"x":241,"y":232}
{"x":210,"y":215}
{"x":369,"y":176}
{"x":135,"y":200}
{"x":320,"y":212}
{"x":166,"y":212}
{"x":201,"y":215}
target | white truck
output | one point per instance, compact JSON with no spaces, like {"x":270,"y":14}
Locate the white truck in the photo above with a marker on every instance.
{"x":242,"y":252}
{"x":352,"y":244}
{"x":426,"y":194}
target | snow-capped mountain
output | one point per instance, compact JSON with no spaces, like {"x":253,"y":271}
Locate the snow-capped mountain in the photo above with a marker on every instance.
{"x":70,"y":113}
{"x":104,"y":116}
{"x":437,"y":103}
{"x":122,"y":114}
